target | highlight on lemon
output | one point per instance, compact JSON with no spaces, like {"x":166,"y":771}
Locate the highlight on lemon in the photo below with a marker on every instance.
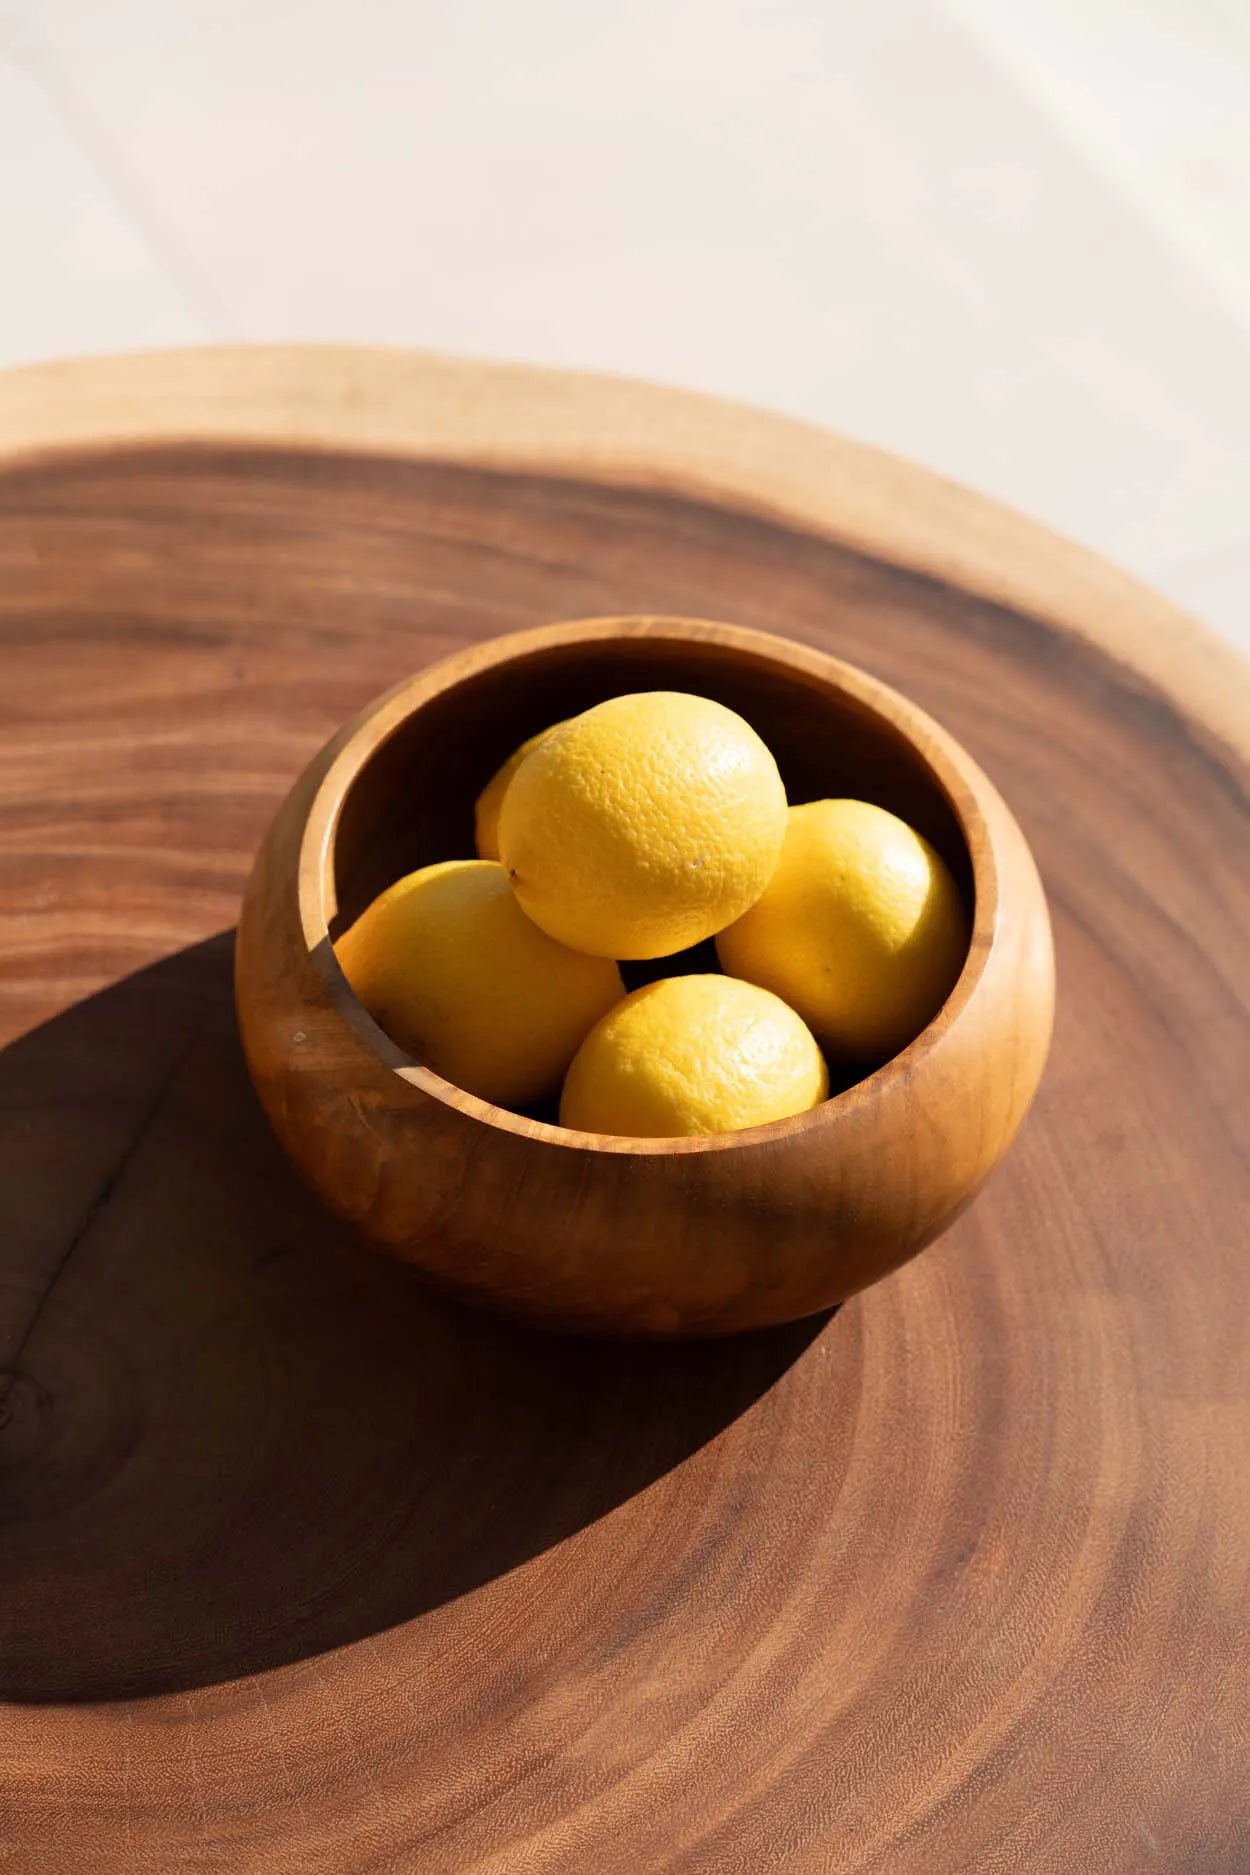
{"x":691,"y":1055}
{"x":490,"y":800}
{"x":643,"y":825}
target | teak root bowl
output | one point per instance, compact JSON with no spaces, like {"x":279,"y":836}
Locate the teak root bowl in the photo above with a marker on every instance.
{"x":684,"y":1236}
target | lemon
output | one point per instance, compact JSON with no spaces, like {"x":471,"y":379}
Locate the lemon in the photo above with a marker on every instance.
{"x":490,"y":800}
{"x":449,"y":965}
{"x":693,"y":1055}
{"x":643,"y":825}
{"x":862,"y":929}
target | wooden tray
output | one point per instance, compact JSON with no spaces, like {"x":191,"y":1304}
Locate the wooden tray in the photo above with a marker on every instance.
{"x":303,"y":1570}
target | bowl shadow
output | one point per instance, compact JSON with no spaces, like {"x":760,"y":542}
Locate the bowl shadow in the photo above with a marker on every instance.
{"x":231,"y":1436}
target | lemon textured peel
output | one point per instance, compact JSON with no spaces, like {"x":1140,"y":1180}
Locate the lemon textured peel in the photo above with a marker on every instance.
{"x":644,"y":825}
{"x":449,"y":966}
{"x":862,"y":928}
{"x":693,"y":1055}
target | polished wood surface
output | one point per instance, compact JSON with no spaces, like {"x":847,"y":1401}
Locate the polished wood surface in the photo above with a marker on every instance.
{"x":662,"y":1237}
{"x":305,"y":1569}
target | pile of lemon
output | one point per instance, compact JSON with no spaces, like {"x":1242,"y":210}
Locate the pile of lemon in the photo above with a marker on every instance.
{"x":635,"y":831}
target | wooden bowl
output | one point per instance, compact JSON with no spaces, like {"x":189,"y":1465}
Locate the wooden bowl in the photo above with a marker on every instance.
{"x":683,"y":1236}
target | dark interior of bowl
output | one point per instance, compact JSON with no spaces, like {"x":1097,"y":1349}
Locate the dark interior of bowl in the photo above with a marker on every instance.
{"x":412,"y":803}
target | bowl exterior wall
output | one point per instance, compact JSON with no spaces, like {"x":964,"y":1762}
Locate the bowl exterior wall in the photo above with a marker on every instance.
{"x":786,"y":1222}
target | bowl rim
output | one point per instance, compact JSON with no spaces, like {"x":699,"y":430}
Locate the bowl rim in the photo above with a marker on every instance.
{"x":951,"y":769}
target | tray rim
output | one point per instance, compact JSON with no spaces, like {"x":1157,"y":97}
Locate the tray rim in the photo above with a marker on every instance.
{"x":537,"y":419}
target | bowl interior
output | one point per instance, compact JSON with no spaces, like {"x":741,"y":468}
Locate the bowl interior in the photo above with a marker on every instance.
{"x":411,"y":803}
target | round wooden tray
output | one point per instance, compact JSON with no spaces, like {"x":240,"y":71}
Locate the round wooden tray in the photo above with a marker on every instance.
{"x":305,"y":1570}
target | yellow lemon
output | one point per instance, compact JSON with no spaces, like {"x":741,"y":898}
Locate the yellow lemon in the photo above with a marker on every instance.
{"x":643,"y":825}
{"x":449,"y":965}
{"x":490,"y":800}
{"x":862,"y":929}
{"x":693,"y":1055}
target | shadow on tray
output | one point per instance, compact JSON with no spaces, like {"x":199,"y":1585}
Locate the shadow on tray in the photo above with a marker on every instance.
{"x":231,"y":1437}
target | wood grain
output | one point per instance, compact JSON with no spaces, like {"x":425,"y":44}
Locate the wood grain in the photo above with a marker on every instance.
{"x":525,"y":420}
{"x":958,"y":1583}
{"x":662,"y":1237}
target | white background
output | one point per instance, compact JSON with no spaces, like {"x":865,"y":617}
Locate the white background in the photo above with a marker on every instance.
{"x":1008,"y":238}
